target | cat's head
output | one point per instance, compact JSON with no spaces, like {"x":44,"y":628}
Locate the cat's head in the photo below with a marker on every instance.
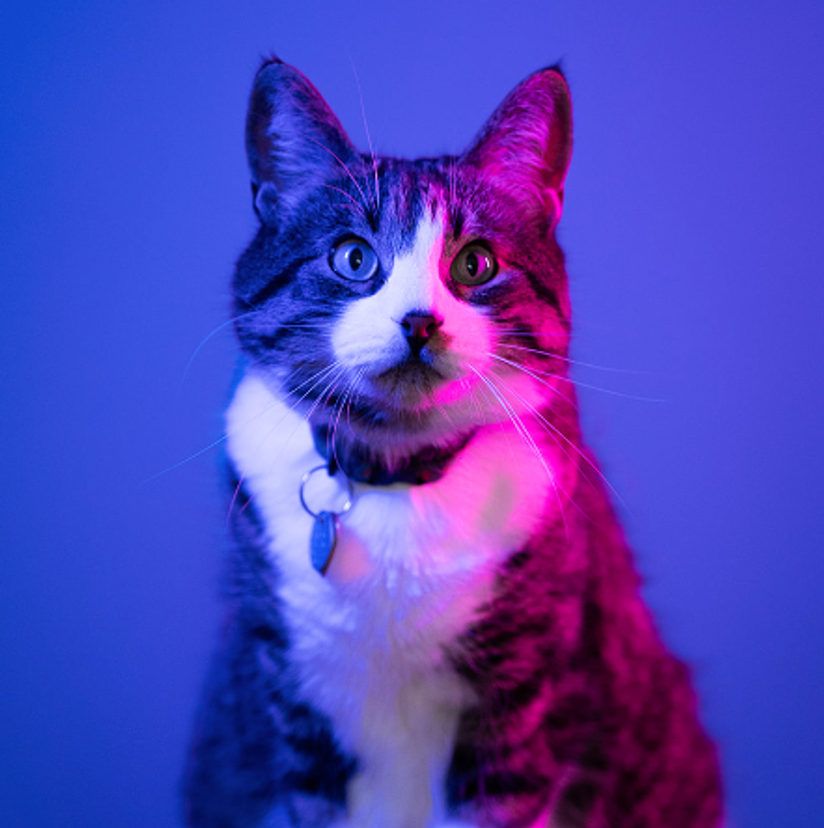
{"x":406,"y":303}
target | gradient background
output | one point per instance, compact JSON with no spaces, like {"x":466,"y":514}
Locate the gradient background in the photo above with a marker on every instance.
{"x":695,"y":238}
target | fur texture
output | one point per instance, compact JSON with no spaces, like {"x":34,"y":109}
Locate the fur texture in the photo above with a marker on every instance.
{"x":477,"y":653}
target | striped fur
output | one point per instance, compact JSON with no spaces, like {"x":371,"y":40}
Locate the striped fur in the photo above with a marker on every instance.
{"x":477,"y":655}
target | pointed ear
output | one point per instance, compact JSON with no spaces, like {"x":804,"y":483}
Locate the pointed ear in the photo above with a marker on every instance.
{"x":526,"y":145}
{"x":293,"y":139}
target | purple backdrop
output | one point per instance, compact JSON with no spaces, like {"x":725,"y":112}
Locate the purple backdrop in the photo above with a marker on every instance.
{"x":693,"y":228}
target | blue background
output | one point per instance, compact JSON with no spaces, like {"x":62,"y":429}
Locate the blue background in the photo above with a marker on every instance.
{"x":695,"y":244}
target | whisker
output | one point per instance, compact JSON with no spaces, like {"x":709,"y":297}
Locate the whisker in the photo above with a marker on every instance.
{"x":500,"y":423}
{"x":635,"y":397}
{"x":346,"y":169}
{"x":353,"y":200}
{"x":513,"y":415}
{"x":208,"y":336}
{"x":534,"y":374}
{"x":465,"y":384}
{"x":578,"y":383}
{"x":359,"y":379}
{"x":557,"y":433}
{"x":214,"y":444}
{"x":528,"y":440}
{"x":325,"y":394}
{"x":343,"y":404}
{"x":522,"y":332}
{"x":317,"y":379}
{"x":570,"y":360}
{"x":368,"y":138}
{"x":188,"y":459}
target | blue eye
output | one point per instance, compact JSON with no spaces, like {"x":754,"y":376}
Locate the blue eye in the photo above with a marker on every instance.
{"x":354,"y":259}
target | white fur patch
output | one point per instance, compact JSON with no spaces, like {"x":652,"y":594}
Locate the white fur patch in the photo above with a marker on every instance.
{"x":413,"y":565}
{"x":369,"y":337}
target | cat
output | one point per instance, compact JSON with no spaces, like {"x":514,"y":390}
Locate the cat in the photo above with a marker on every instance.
{"x":434,"y":620}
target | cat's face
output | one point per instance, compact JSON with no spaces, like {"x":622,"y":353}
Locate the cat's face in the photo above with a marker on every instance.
{"x":406,"y":302}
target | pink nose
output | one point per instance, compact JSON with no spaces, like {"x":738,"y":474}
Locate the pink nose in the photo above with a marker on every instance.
{"x":419,"y":325}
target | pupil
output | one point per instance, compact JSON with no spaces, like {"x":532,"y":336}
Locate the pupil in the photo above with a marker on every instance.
{"x":472,"y":264}
{"x":356,"y":258}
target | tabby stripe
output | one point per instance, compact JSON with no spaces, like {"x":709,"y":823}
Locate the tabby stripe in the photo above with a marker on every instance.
{"x":503,"y":783}
{"x":284,"y":277}
{"x":548,"y":294}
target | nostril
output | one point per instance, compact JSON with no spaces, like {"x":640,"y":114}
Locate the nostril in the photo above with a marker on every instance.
{"x":420,"y":325}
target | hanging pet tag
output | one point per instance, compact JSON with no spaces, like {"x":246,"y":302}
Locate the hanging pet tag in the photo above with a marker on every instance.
{"x":327,"y":524}
{"x":324,"y":538}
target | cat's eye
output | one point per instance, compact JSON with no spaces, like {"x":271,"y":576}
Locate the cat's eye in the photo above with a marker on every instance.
{"x":474,"y":265}
{"x":354,"y":259}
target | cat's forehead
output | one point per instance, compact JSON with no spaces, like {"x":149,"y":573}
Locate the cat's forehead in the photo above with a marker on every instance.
{"x":409,"y":193}
{"x":453,"y":193}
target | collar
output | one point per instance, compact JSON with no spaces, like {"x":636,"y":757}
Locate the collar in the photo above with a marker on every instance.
{"x":357,"y":461}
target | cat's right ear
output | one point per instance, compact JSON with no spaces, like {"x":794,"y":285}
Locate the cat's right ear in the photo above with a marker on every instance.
{"x":526,"y":145}
{"x":293,"y":140}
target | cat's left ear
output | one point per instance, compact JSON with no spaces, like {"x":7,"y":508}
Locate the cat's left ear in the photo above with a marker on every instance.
{"x":526,"y":145}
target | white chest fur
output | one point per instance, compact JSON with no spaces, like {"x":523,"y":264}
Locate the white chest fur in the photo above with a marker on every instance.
{"x":412,"y":566}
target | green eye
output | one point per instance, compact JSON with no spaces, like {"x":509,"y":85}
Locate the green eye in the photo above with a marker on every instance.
{"x":354,"y":259}
{"x":474,"y":265}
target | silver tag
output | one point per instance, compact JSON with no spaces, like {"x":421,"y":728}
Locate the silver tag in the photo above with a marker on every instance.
{"x":324,"y":538}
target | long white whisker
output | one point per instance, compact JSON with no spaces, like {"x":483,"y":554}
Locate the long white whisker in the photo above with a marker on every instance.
{"x":580,"y":384}
{"x":348,"y":171}
{"x":353,"y":200}
{"x":491,"y":404}
{"x":358,"y":378}
{"x":532,"y":373}
{"x":569,"y":360}
{"x":522,"y":332}
{"x":316,"y":380}
{"x":527,"y":438}
{"x":513,"y":415}
{"x":336,"y":422}
{"x":192,"y":456}
{"x":211,"y":445}
{"x":208,"y":336}
{"x":465,"y":384}
{"x":557,"y":433}
{"x":368,"y":138}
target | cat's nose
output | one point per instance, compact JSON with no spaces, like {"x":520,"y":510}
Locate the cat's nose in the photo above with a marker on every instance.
{"x":419,"y":326}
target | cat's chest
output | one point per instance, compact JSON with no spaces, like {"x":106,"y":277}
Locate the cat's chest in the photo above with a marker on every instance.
{"x":411,"y":568}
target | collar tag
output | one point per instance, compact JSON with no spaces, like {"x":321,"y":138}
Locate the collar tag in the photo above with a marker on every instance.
{"x":325,"y":530}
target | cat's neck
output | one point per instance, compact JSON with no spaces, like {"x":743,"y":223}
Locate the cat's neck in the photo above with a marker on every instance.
{"x":362,"y":464}
{"x":494,"y":493}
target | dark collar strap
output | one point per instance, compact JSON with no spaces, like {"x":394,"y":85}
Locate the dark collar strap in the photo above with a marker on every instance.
{"x":358,"y":463}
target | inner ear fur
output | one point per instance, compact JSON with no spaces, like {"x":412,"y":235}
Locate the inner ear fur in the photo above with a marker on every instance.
{"x":526,"y":145}
{"x":293,"y":139}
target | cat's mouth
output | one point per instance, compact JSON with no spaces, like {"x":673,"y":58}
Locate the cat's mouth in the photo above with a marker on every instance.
{"x":395,"y":422}
{"x":397,"y":409}
{"x":408,"y":384}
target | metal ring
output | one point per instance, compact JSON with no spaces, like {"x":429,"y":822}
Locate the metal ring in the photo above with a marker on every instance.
{"x":350,"y":492}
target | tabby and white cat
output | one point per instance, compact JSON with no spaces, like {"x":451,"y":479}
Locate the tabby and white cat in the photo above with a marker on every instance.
{"x":434,"y":619}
